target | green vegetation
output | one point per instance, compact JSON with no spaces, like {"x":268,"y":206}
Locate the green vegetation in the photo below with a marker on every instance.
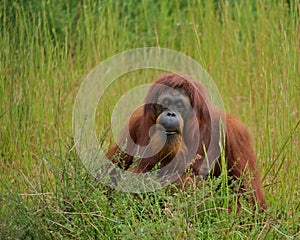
{"x":250,"y":48}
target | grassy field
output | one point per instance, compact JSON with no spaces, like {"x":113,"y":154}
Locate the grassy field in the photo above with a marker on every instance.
{"x":250,"y":48}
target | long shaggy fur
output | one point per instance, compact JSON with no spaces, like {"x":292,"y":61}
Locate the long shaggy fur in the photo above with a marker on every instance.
{"x":239,"y":153}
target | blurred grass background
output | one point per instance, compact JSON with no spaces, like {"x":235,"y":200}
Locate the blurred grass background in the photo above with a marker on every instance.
{"x":250,"y":48}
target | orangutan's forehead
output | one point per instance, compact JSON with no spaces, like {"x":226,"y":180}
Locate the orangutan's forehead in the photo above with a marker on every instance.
{"x":174,"y":94}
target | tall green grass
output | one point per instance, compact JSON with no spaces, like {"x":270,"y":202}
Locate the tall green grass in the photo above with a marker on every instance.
{"x":250,"y":48}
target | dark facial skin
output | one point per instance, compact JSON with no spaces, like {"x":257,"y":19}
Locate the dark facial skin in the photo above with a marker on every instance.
{"x":172,"y":110}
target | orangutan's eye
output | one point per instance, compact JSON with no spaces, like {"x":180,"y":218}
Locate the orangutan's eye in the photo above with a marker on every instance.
{"x":166,"y":102}
{"x":179,"y":105}
{"x":158,"y":108}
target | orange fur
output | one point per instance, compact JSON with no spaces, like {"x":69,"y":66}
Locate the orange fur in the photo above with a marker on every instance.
{"x":239,"y":153}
